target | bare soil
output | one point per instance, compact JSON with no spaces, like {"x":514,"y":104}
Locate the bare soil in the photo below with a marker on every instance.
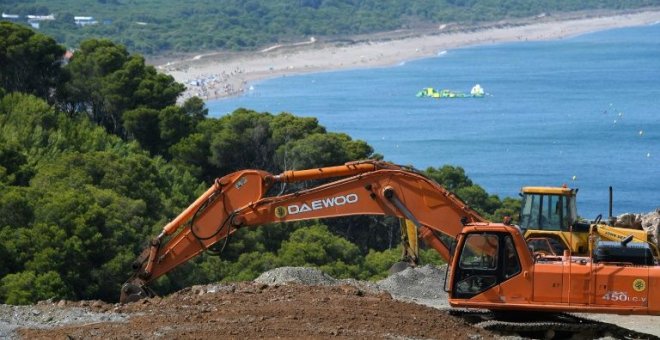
{"x":286,"y":302}
{"x":253,"y":310}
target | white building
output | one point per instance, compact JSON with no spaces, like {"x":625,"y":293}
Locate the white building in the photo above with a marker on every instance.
{"x":10,"y":16}
{"x":84,"y":21}
{"x":40,"y":17}
{"x":34,"y":20}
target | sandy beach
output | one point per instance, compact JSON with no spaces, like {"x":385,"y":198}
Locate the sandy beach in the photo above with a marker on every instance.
{"x":216,"y":75}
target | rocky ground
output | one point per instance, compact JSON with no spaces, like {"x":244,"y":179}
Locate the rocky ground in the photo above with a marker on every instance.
{"x":286,"y":303}
{"x":283,"y":303}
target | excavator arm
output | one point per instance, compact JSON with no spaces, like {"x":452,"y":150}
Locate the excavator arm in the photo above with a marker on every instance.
{"x":359,"y":188}
{"x":610,"y":233}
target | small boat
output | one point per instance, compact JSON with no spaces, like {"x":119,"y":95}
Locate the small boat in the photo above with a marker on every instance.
{"x":476,"y":92}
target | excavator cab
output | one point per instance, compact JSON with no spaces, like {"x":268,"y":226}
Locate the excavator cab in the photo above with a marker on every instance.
{"x":485,"y":260}
{"x":493,"y":268}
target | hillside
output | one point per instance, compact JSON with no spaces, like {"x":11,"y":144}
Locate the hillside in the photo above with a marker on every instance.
{"x":162,"y":26}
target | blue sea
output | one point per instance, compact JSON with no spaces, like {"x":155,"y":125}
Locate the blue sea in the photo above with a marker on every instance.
{"x":582,"y":111}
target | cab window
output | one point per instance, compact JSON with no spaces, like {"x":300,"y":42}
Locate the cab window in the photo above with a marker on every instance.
{"x":543,"y":212}
{"x":512,"y":263}
{"x":480,"y":252}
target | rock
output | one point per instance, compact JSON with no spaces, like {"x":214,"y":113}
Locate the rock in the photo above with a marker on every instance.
{"x":222,"y":288}
{"x":45,"y":302}
{"x":629,"y":220}
{"x":651,"y":223}
{"x":197,"y":289}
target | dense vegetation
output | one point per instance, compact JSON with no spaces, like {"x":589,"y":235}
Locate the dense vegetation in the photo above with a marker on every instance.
{"x":96,"y":157}
{"x":157,"y":26}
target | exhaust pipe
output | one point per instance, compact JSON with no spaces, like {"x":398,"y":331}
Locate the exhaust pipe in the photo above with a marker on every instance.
{"x":610,"y":218}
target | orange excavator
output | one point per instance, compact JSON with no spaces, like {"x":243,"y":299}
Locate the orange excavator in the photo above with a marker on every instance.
{"x":490,"y":264}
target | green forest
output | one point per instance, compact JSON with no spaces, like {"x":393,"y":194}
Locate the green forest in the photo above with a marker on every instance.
{"x":96,"y":156}
{"x":160,"y":26}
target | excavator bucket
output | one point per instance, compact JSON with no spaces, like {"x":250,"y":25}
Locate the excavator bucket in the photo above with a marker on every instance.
{"x":131,"y":292}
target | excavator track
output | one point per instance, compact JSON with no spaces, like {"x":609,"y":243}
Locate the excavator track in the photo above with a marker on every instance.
{"x":614,"y":330}
{"x":547,"y":326}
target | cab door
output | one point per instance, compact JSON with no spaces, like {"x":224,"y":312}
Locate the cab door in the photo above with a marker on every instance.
{"x":489,"y":271}
{"x":478,"y":265}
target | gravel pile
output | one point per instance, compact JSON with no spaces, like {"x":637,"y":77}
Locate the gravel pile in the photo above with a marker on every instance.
{"x":47,"y":316}
{"x":422,"y":285}
{"x":301,"y":275}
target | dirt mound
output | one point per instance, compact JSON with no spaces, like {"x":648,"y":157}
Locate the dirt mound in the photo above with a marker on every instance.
{"x":250,"y":310}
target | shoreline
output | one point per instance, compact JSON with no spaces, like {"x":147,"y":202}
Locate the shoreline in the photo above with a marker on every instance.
{"x":220,"y":75}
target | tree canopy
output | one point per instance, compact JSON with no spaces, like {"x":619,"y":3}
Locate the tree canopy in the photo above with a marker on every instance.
{"x":106,"y":81}
{"x":29,"y":62}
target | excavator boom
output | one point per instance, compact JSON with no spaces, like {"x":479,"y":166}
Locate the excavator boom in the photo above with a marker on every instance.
{"x":359,"y":188}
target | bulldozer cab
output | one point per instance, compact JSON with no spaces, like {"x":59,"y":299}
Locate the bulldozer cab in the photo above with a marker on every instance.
{"x":548,"y":216}
{"x":548,"y":208}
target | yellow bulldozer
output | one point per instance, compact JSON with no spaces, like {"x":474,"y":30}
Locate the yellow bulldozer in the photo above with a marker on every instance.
{"x":549,"y":219}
